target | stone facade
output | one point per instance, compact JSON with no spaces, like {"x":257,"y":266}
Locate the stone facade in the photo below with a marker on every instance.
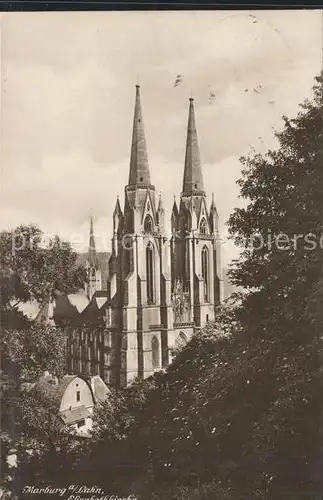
{"x":160,"y":287}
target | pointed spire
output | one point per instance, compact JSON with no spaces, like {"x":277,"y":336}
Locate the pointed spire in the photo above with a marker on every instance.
{"x":160,"y":207}
{"x":92,"y":257}
{"x":175,"y":208}
{"x":139,"y":169}
{"x":193,"y":179}
{"x":213,"y":207}
{"x":117,"y":208}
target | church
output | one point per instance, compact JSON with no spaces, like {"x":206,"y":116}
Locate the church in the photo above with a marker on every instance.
{"x":155,"y":289}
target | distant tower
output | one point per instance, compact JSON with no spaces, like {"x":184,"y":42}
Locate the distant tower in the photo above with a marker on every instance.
{"x":92,"y":267}
{"x":139,"y":289}
{"x":195,"y":246}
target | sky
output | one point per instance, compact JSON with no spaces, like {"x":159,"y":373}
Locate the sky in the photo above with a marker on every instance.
{"x":67,"y":100}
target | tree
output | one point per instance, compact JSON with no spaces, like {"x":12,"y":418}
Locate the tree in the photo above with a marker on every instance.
{"x":283,"y":274}
{"x":45,"y":449}
{"x":32,"y":271}
{"x":283,"y":220}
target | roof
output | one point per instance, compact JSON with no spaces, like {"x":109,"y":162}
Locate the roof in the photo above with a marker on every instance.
{"x":100,"y":301}
{"x":100,"y":390}
{"x":94,"y":313}
{"x":52,"y":389}
{"x":79,"y":300}
{"x":68,"y":307}
{"x":75,"y":414}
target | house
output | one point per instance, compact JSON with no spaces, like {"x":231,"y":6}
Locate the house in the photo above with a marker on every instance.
{"x":76,"y":397}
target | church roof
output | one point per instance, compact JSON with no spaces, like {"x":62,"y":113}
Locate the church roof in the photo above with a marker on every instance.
{"x":78,"y":300}
{"x":139,"y":174}
{"x":193,"y":178}
{"x":62,"y":307}
{"x":94,"y":313}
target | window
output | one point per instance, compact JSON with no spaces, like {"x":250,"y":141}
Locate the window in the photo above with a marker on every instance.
{"x":150,"y":273}
{"x":81,"y":423}
{"x":207,"y":318}
{"x":155,"y":352}
{"x":78,"y":396}
{"x":141,"y":178}
{"x":205,"y":272}
{"x":203,"y":226}
{"x":148,"y":224}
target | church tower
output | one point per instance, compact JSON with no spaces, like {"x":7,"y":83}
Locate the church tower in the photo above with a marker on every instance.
{"x":139,"y":312}
{"x":92,"y":267}
{"x":196,"y":265}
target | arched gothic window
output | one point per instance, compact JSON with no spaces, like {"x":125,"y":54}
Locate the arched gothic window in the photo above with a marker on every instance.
{"x":150,"y":273}
{"x":148,"y":224}
{"x":205,"y":272}
{"x":203,"y":226}
{"x":181,"y":340}
{"x":154,"y":352}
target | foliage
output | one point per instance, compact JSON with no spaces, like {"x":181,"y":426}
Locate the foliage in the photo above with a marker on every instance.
{"x":28,"y":353}
{"x":30,"y":425}
{"x":32,"y":269}
{"x":43,"y":445}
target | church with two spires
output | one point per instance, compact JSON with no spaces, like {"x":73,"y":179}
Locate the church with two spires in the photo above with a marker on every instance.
{"x":156,"y":289}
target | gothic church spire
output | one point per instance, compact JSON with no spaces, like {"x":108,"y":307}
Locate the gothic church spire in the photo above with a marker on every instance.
{"x":139,"y":174}
{"x":193,"y":179}
{"x":92,"y":257}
